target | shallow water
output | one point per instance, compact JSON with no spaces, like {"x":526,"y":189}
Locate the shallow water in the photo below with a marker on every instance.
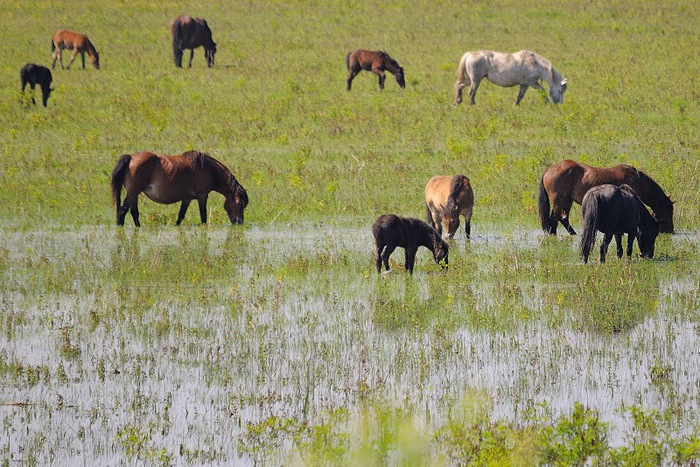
{"x":192,"y":360}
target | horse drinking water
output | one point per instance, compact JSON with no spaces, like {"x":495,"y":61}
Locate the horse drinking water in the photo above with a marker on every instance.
{"x":78,"y":43}
{"x":375,"y":61}
{"x":568,"y":181}
{"x":33,"y":74}
{"x":190,"y":33}
{"x":616,"y":211}
{"x":446,"y":198}
{"x":524,"y":69}
{"x":169,"y":179}
{"x":391,"y":231}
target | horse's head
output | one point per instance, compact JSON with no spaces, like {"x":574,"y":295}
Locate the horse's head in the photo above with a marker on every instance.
{"x":400,"y":78}
{"x":646,"y":237}
{"x":46,"y":91}
{"x":557,"y":90}
{"x":664,"y":218}
{"x":209,"y":53}
{"x":235,"y":204}
{"x":450,"y":219}
{"x":440,"y":252}
{"x":95,"y":60}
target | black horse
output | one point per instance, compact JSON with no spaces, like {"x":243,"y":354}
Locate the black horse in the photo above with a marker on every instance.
{"x":391,"y":231}
{"x":34,"y":74}
{"x":190,"y":33}
{"x":617,"y":211}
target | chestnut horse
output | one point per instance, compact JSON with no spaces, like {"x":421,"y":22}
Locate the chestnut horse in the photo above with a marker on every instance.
{"x":568,"y":181}
{"x":190,"y":33}
{"x":524,"y":69}
{"x":169,"y":179}
{"x":34,"y":74}
{"x":391,"y":231}
{"x":446,"y":198}
{"x":375,"y":61}
{"x":78,"y":43}
{"x":616,"y":211}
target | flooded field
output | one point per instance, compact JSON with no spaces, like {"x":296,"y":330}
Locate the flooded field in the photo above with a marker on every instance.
{"x":198,"y":344}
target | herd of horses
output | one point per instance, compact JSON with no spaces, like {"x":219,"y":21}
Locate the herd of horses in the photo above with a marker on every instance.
{"x":613,"y":200}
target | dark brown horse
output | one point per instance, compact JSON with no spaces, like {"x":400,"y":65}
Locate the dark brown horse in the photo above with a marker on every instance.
{"x":391,"y":231}
{"x":33,"y":74}
{"x":616,"y":211}
{"x":568,"y":181}
{"x":169,"y":179}
{"x":190,"y":33}
{"x":446,"y":198}
{"x":78,"y":43}
{"x":375,"y":61}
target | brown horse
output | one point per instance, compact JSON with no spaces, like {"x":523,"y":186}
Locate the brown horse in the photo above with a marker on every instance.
{"x":375,"y":61}
{"x":78,"y":43}
{"x":568,"y":181}
{"x":190,"y":33}
{"x":169,"y":179}
{"x":446,"y":198}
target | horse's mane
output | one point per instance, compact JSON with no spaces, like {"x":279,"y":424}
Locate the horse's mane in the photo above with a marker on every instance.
{"x":656,"y":188}
{"x":203,"y":162}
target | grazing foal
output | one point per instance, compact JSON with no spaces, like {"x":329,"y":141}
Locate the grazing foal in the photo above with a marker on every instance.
{"x":376,"y":62}
{"x":78,"y":43}
{"x":33,"y":74}
{"x":391,"y":231}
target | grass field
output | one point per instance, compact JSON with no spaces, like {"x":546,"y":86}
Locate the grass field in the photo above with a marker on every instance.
{"x":276,"y":341}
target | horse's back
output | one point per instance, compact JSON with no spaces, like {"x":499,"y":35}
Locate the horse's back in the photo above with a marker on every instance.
{"x":69,"y":39}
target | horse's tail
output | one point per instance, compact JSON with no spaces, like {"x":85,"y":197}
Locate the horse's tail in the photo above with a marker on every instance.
{"x":177,"y":39}
{"x":347,"y":60}
{"x":118,"y":175}
{"x":428,"y":214}
{"x":462,"y":75}
{"x":590,"y":219}
{"x":544,"y":208}
{"x":53,"y":45}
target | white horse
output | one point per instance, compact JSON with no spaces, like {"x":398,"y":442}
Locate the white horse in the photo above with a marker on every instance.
{"x":522,"y":68}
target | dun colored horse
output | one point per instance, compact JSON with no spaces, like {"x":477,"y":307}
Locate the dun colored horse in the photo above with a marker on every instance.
{"x":190,"y":33}
{"x":616,"y":211}
{"x":568,"y":181}
{"x":33,"y":74}
{"x":375,"y":61}
{"x":446,"y":198}
{"x":524,"y":69}
{"x":169,"y":179}
{"x":78,"y":43}
{"x":391,"y":231}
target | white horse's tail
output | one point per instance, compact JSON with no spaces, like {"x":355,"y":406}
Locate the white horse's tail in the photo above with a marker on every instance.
{"x":462,"y":76}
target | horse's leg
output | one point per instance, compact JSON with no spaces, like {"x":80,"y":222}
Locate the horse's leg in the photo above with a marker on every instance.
{"x":618,"y":244}
{"x":565,"y":222}
{"x":191,"y":57}
{"x":203,"y":209}
{"x":468,"y":228}
{"x":183,"y":210}
{"x":382,"y":77}
{"x":472,"y":90}
{"x":630,"y":244}
{"x":604,"y":246}
{"x":388,"y":250}
{"x":380,"y":247}
{"x":410,"y":258}
{"x":82,"y":58}
{"x":72,"y":57}
{"x":352,"y":72}
{"x":31,"y":86}
{"x":135,"y":213}
{"x":521,"y":93}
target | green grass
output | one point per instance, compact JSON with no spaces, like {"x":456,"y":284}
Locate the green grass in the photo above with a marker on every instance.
{"x":277,"y":340}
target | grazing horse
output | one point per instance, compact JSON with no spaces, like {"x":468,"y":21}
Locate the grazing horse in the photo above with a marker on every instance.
{"x":33,"y":74}
{"x":169,"y":179}
{"x":391,"y":231}
{"x":615,"y":211}
{"x":524,"y":69}
{"x":446,"y":198}
{"x":190,"y":33}
{"x":375,"y":61}
{"x":78,"y":43}
{"x":568,"y":181}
